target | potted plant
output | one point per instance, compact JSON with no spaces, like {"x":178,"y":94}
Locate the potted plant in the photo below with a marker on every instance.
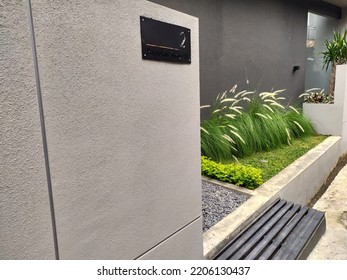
{"x":322,"y":112}
{"x":317,"y":97}
{"x":326,"y":110}
{"x":335,"y":54}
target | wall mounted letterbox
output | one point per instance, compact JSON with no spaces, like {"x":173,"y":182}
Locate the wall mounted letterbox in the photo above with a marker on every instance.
{"x":164,"y":41}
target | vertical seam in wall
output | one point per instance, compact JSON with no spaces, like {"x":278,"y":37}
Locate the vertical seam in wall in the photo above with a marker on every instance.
{"x":43,"y":130}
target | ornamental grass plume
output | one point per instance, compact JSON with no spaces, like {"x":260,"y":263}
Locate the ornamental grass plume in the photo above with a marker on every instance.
{"x":246,"y":122}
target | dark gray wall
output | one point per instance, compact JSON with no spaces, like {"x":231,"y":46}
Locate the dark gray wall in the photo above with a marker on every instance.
{"x":250,"y":39}
{"x":324,"y":9}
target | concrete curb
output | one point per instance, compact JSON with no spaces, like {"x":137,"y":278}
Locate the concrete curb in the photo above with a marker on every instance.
{"x":298,"y":183}
{"x":229,"y":186}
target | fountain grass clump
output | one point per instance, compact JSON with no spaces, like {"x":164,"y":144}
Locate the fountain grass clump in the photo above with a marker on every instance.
{"x":244,"y":123}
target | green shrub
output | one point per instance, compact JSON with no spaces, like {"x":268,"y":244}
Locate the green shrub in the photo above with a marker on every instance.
{"x":235,"y":173}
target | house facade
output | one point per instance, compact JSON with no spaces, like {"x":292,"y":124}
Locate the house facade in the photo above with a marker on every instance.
{"x":100,"y":148}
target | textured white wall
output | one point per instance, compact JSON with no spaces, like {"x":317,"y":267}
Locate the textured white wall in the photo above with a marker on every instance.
{"x":123,"y":133}
{"x":25,"y":224}
{"x":340,"y":98}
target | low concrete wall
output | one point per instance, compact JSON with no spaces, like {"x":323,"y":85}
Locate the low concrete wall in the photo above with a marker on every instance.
{"x":325,"y":118}
{"x":299,"y":182}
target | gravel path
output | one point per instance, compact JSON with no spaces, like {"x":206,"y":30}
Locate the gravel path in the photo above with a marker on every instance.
{"x":218,"y":202}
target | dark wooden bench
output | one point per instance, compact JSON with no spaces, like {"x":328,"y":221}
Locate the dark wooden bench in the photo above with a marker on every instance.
{"x":284,"y":231}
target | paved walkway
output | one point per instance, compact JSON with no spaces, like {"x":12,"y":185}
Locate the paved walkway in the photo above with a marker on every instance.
{"x":333,"y":244}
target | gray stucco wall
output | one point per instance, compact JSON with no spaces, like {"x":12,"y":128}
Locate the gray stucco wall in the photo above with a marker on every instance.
{"x":25,"y":223}
{"x":122,"y":132}
{"x":258,"y":40}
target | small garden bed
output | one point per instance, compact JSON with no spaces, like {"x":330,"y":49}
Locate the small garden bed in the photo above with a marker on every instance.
{"x":252,"y":171}
{"x":239,"y":139}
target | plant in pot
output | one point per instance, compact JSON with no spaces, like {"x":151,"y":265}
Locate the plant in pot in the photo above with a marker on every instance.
{"x":320,"y":109}
{"x":335,"y":54}
{"x":317,"y":95}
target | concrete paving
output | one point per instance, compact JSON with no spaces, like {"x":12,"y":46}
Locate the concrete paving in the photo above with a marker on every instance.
{"x":333,"y":244}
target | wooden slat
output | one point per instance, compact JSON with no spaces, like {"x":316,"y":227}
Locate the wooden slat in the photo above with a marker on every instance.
{"x":259,"y":234}
{"x":299,"y":236}
{"x":272,"y":248}
{"x":284,"y":231}
{"x":312,"y":242}
{"x":246,"y":235}
{"x":254,"y":254}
